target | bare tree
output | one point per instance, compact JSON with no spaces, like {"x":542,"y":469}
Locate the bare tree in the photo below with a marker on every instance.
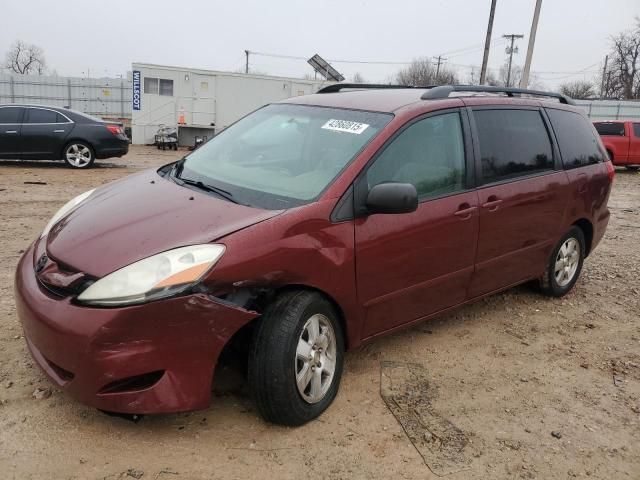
{"x":621,"y":80}
{"x":358,"y":78}
{"x":580,"y":89}
{"x":422,"y":72}
{"x":25,"y":59}
{"x":513,"y":78}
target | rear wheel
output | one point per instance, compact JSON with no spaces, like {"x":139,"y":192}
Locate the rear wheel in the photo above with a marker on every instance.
{"x":565,"y":264}
{"x":295,"y":363}
{"x":79,"y":155}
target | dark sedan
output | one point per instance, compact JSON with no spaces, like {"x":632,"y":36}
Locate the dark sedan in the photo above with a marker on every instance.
{"x":34,"y":132}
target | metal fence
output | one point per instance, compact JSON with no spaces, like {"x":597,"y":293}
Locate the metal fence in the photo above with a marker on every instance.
{"x":103,"y":97}
{"x":611,"y":109}
{"x":111,"y":97}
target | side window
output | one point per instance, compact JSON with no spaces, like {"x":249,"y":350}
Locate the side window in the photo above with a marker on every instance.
{"x":38,"y":115}
{"x":636,"y":129}
{"x":610,"y":128}
{"x":10,"y":114}
{"x":513,"y":143}
{"x":578,"y":144}
{"x":429,"y":154}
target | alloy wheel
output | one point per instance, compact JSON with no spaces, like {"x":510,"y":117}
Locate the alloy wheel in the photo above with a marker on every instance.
{"x":315,"y":362}
{"x":78,"y":155}
{"x":567,"y":262}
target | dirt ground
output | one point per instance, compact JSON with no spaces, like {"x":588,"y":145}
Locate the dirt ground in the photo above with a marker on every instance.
{"x":504,"y":374}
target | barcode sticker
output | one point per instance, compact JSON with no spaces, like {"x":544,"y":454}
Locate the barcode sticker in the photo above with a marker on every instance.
{"x":345,"y":126}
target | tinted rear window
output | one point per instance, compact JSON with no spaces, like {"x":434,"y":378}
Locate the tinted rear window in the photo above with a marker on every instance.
{"x":578,"y":144}
{"x":513,"y":143}
{"x":10,"y":114}
{"x":636,"y":129}
{"x":610,"y":128}
{"x":38,"y":115}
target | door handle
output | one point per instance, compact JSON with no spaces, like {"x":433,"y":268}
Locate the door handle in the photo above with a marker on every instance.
{"x":465,"y":211}
{"x":58,"y":131}
{"x":492,"y":203}
{"x":11,"y":131}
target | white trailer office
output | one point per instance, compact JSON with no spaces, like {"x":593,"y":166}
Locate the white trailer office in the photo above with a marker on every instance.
{"x":201,"y":102}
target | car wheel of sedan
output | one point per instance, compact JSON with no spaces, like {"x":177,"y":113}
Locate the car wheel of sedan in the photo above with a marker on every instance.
{"x":79,"y":155}
{"x":295,"y":363}
{"x":565,"y":264}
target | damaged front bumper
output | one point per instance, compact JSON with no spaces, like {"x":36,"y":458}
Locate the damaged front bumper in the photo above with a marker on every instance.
{"x":153,"y":358}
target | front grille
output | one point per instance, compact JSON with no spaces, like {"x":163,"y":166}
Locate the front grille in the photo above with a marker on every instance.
{"x":60,"y":281}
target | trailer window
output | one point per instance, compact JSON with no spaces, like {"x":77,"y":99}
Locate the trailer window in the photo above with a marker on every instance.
{"x":166,"y":87}
{"x":158,"y":86}
{"x":151,"y":85}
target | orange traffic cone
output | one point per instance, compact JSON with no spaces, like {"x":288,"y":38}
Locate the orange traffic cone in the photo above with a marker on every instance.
{"x":181,"y":117}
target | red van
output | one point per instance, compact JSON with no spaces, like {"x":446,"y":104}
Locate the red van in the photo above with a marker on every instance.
{"x":303,"y":230}
{"x":621,"y":139}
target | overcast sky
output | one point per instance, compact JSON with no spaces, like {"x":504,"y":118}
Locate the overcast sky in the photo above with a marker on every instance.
{"x":103,"y":38}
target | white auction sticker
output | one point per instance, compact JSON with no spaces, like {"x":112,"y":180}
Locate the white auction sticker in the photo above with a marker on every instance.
{"x":345,"y":126}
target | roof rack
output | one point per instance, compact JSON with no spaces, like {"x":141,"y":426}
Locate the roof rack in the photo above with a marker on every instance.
{"x":443,"y":91}
{"x":336,"y":87}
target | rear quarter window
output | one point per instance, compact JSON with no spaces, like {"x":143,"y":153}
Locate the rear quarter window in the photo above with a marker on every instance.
{"x":610,"y":128}
{"x":576,"y":139}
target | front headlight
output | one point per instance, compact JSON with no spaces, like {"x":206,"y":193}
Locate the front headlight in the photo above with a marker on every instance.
{"x":159,"y":276}
{"x":66,"y":208}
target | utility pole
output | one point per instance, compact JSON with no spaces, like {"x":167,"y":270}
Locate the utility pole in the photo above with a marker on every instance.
{"x":511,"y":50}
{"x":487,"y":43}
{"x":440,"y":60}
{"x":524,"y":81}
{"x":246,"y":64}
{"x":604,"y":75}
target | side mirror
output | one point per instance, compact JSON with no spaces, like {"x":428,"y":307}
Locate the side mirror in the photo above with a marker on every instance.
{"x":392,"y":198}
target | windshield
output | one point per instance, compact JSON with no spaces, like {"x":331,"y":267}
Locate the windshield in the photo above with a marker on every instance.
{"x":281,"y":156}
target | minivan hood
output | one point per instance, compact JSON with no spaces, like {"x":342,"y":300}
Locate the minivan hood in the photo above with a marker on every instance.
{"x":139,"y":216}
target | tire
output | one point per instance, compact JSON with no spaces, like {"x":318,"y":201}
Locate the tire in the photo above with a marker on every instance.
{"x":558,"y":279}
{"x":275,"y":358}
{"x":79,"y":155}
{"x":632,"y":168}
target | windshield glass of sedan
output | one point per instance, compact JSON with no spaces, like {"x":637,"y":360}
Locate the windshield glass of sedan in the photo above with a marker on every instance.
{"x":282,"y":155}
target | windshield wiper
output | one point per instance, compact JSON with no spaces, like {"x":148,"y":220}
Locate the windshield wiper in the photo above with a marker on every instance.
{"x":176,"y":170}
{"x":208,"y":188}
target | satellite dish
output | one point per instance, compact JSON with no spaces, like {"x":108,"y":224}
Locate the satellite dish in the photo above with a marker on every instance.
{"x":323,"y":67}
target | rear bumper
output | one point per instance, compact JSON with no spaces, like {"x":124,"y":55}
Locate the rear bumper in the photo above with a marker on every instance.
{"x":118,"y":149}
{"x":82,"y":350}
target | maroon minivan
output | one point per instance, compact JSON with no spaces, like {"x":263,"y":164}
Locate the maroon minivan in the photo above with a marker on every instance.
{"x":305,"y":229}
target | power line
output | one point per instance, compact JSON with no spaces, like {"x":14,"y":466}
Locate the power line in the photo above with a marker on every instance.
{"x":461,"y":51}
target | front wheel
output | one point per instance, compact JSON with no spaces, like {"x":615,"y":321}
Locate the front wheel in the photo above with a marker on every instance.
{"x":78,"y":155}
{"x":565,"y":264}
{"x":295,"y":363}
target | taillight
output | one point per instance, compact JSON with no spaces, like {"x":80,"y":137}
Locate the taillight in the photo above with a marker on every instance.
{"x":611,"y":170}
{"x":115,"y":129}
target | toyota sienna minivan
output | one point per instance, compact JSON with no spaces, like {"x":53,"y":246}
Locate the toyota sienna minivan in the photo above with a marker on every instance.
{"x":303,"y":230}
